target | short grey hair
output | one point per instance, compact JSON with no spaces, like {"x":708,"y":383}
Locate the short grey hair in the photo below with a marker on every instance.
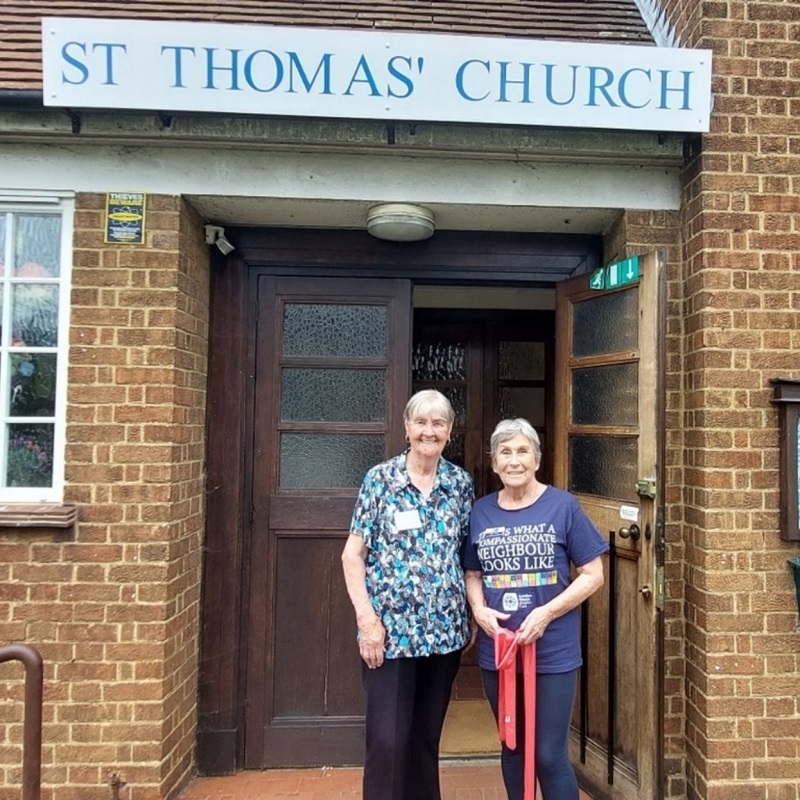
{"x":508,"y":429}
{"x":429,"y":401}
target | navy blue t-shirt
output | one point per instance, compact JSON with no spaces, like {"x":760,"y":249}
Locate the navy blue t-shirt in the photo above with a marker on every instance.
{"x":525,"y":557}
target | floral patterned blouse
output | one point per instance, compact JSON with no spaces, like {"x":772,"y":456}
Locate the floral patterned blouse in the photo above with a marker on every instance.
{"x":414,"y":574}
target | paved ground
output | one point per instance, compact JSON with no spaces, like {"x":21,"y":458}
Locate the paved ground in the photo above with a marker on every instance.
{"x":459,"y":782}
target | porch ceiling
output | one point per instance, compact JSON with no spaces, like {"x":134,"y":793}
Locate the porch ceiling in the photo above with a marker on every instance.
{"x":310,"y":213}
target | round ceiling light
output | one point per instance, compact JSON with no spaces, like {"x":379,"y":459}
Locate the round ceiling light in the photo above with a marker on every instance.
{"x":400,"y":222}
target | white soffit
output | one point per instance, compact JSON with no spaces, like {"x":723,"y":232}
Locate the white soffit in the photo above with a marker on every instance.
{"x":335,"y":189}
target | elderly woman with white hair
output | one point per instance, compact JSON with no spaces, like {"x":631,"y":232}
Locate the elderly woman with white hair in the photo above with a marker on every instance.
{"x":524,"y":542}
{"x":404,"y":577}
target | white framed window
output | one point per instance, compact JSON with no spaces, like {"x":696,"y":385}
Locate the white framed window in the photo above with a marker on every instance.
{"x":35,"y":275}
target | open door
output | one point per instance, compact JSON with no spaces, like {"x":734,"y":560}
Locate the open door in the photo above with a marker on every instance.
{"x":608,"y":451}
{"x":330,"y":381}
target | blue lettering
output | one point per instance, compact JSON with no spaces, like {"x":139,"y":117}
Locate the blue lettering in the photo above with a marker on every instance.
{"x":460,"y":79}
{"x":324,"y":64}
{"x":109,"y":81}
{"x":211,"y":68}
{"x":404,"y":79}
{"x":623,"y":81}
{"x":505,"y":81}
{"x":363,"y":66}
{"x":178,"y":50}
{"x":82,"y":68}
{"x":684,"y":90}
{"x":548,"y":86}
{"x":248,"y":71}
{"x":594,"y":87}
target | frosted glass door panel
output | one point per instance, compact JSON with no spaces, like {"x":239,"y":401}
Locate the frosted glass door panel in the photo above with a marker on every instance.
{"x":521,"y":361}
{"x":334,"y":331}
{"x":607,"y":324}
{"x":606,"y":395}
{"x":603,"y":466}
{"x":526,"y":403}
{"x":333,"y":395}
{"x":327,"y":460}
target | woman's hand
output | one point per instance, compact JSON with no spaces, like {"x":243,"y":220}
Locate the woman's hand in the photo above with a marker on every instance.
{"x":534,"y":625}
{"x":372,"y":642}
{"x":489,"y":620}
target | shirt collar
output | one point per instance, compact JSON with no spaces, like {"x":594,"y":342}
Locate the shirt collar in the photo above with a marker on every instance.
{"x":445,"y":474}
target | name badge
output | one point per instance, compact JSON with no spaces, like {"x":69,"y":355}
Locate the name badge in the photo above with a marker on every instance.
{"x":407,"y":520}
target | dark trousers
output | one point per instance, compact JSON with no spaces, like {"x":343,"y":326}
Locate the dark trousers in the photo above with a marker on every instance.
{"x":554,"y":773}
{"x":407,"y":700}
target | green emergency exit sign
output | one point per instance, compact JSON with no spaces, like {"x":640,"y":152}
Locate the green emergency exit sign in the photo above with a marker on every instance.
{"x":615,"y":275}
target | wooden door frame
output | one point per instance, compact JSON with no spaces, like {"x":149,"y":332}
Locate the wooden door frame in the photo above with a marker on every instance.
{"x":451,"y":257}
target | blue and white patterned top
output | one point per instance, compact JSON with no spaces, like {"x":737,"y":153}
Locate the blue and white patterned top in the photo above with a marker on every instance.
{"x":414,"y":573}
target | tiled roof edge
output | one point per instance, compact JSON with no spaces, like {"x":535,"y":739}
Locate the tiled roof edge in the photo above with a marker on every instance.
{"x":655,"y":17}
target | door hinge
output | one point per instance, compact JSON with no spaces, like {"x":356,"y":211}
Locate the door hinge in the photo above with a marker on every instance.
{"x":646,"y":487}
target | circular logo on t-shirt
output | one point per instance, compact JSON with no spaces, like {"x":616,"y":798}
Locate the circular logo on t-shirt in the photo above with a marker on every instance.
{"x":510,"y":602}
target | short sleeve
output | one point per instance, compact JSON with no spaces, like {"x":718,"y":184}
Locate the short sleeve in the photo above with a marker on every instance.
{"x":469,"y":551}
{"x":584,"y":541}
{"x":364,"y":513}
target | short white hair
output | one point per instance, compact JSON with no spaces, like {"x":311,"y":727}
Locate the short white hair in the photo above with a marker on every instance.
{"x":432,"y":402}
{"x":508,"y":429}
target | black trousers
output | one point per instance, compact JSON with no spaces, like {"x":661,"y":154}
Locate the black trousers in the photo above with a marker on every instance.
{"x":407,"y":700}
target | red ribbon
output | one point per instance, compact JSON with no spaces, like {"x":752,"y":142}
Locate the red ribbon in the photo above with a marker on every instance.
{"x":506,"y":645}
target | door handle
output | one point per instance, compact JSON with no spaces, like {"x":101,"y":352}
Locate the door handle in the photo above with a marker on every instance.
{"x":646,"y":592}
{"x":634,"y":532}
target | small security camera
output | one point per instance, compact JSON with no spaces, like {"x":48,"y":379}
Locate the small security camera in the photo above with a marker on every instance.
{"x":215,"y":234}
{"x":224,"y":245}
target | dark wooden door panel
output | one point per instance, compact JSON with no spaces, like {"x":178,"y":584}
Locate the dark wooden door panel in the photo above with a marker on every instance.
{"x":325,"y":395}
{"x":316,"y":702}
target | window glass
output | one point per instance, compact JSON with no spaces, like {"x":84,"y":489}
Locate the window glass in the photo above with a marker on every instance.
{"x":606,"y":324}
{"x":603,"y":466}
{"x":33,"y":261}
{"x":606,"y":395}
{"x":333,"y":395}
{"x":322,"y":329}
{"x":327,"y":460}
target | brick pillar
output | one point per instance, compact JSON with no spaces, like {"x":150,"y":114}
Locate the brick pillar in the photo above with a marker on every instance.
{"x":741,"y":296}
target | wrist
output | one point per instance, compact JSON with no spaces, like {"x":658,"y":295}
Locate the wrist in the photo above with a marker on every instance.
{"x":366,"y":617}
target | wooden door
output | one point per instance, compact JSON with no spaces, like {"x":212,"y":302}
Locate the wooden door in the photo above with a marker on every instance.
{"x":608,"y":438}
{"x":331,"y":378}
{"x":491,"y":365}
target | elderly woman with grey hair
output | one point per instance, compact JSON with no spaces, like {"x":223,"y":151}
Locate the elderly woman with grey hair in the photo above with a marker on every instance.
{"x":524,"y":541}
{"x":403,"y":573}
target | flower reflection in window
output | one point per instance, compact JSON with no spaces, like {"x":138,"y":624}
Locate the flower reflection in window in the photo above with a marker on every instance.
{"x":33,"y":385}
{"x":30,"y":455}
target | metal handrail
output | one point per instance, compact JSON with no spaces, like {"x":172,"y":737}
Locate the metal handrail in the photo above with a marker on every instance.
{"x":32,"y":732}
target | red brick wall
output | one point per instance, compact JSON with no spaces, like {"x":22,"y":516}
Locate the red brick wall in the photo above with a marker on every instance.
{"x":741,"y":296}
{"x":113,"y":605}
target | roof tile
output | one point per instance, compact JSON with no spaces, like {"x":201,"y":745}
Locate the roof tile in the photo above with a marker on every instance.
{"x":582,"y":20}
